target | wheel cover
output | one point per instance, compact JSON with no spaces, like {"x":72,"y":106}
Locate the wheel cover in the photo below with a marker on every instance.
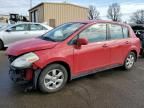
{"x":130,"y":61}
{"x":54,"y":79}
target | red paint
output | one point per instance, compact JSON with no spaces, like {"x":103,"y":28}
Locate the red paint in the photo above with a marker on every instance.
{"x":29,"y":74}
{"x":29,"y":45}
{"x":79,"y":59}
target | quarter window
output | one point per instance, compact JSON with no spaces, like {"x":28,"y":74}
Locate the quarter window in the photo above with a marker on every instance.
{"x":125,"y":32}
{"x":116,"y":31}
{"x":95,"y":33}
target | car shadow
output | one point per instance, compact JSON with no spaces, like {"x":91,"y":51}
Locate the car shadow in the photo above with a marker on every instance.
{"x":106,"y":73}
{"x":21,"y":89}
{"x":4,"y":49}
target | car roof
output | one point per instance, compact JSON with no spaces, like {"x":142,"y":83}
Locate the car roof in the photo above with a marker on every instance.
{"x":102,"y":21}
{"x":28,"y":23}
{"x":45,"y":25}
{"x":137,"y":25}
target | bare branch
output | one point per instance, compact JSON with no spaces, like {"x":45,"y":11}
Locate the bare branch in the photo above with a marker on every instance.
{"x":138,"y":17}
{"x":93,"y":13}
{"x":114,"y":12}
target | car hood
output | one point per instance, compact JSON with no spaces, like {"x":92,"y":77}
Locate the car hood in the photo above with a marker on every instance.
{"x":29,"y":45}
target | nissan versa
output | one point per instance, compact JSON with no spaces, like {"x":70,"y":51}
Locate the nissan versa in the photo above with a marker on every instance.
{"x":72,"y":50}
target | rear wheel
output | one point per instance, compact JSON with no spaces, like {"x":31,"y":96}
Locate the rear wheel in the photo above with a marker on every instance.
{"x":53,"y":78}
{"x":142,"y":53}
{"x":1,"y":45}
{"x":130,"y":60}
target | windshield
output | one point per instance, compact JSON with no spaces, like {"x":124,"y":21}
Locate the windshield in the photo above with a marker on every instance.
{"x":4,"y":27}
{"x":62,"y":32}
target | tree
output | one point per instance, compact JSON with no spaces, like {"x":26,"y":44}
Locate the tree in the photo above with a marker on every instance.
{"x":138,"y":17}
{"x":114,"y":12}
{"x":65,"y":1}
{"x":93,"y":13}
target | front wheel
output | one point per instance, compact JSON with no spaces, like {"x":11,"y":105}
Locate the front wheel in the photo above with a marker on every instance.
{"x":53,"y":78}
{"x":130,"y":60}
{"x":1,"y":45}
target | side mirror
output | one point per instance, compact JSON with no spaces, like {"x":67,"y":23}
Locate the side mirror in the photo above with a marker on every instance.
{"x":8,"y":30}
{"x":81,"y":41}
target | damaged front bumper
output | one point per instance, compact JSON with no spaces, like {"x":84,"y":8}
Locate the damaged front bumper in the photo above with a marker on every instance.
{"x":20,"y":75}
{"x":27,"y":75}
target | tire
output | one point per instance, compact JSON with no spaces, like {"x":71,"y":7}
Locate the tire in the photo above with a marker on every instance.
{"x":129,"y":61}
{"x":53,"y":78}
{"x":1,"y":45}
{"x":142,"y":53}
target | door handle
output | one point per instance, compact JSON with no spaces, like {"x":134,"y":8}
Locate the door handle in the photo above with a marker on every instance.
{"x":105,"y":45}
{"x":127,"y":42}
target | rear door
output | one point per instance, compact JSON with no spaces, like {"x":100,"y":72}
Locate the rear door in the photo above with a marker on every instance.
{"x":94,"y":55}
{"x":37,"y":30}
{"x":126,"y":42}
{"x":119,"y":44}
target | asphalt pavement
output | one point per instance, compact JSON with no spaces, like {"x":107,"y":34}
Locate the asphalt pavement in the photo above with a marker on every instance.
{"x":114,"y":88}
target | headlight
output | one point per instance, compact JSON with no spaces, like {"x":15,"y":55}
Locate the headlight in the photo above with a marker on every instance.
{"x":25,"y":61}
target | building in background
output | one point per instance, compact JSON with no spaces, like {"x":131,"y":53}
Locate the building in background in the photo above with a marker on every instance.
{"x":4,"y":18}
{"x":55,"y":14}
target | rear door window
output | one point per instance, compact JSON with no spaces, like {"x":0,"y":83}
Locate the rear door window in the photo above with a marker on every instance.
{"x":115,"y":31}
{"x":125,"y":32}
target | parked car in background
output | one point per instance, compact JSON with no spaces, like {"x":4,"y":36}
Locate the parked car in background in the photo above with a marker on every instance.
{"x":72,"y":50}
{"x":3,"y":25}
{"x":139,"y":31}
{"x":21,"y":31}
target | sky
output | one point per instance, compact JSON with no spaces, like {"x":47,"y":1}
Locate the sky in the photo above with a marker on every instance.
{"x":22,"y":6}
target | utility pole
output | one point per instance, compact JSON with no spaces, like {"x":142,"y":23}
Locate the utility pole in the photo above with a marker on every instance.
{"x":30,"y":4}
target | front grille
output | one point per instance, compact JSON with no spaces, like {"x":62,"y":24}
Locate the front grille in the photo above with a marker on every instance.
{"x":11,"y":58}
{"x":16,"y":75}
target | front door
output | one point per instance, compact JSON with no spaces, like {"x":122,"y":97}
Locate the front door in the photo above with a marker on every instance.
{"x":94,"y":55}
{"x":16,"y":33}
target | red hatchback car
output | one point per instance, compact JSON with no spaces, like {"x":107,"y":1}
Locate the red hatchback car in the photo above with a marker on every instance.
{"x":72,"y":50}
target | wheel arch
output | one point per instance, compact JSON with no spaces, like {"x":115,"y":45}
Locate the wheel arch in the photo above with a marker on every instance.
{"x":132,"y":50}
{"x":2,"y":42}
{"x":135,"y":52}
{"x":63,"y":63}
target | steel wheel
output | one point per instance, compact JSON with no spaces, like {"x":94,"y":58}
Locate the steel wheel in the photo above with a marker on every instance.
{"x":54,"y":79}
